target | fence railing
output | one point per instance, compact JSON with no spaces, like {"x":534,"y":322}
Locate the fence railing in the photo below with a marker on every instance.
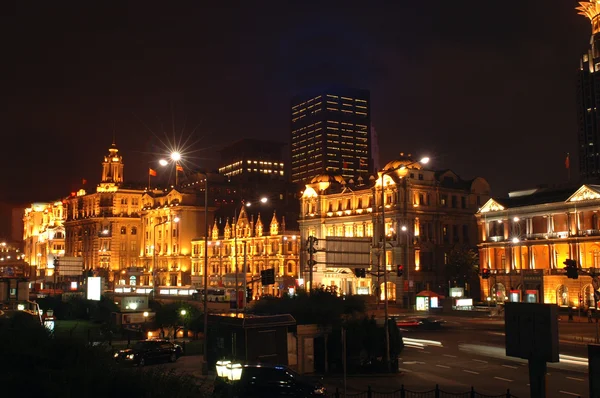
{"x":405,"y":393}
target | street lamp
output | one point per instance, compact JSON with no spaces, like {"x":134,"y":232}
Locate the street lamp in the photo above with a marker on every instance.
{"x":205,"y":298}
{"x":407,"y":259}
{"x":175,"y":158}
{"x":154,"y":262}
{"x":262,"y":200}
{"x":423,"y":160}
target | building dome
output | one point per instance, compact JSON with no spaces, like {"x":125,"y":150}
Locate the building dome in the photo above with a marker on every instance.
{"x":328,"y":178}
{"x":404,"y":160}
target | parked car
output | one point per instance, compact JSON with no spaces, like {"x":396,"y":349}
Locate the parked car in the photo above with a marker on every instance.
{"x":148,"y":351}
{"x":272,"y":381}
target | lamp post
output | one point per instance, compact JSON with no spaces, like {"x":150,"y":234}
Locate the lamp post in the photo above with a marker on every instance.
{"x":407,"y":259}
{"x":384,"y":260}
{"x":175,"y":220}
{"x":262,"y":200}
{"x":174,"y":157}
{"x":205,"y":298}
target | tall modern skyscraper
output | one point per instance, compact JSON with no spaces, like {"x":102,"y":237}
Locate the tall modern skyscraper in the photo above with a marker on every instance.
{"x":330,"y":133}
{"x":588,"y":97}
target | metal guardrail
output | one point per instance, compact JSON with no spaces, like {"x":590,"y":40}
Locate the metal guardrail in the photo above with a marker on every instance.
{"x":405,"y":393}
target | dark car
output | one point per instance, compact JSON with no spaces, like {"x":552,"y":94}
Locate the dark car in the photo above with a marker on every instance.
{"x":274,"y":381}
{"x":148,"y":351}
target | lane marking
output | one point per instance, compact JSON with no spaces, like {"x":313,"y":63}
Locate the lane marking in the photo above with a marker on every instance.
{"x":470,"y":371}
{"x":510,"y":366}
{"x":426,"y":352}
{"x":502,"y":378}
{"x":405,"y":370}
{"x":575,"y":378}
{"x":443,"y":366}
{"x":569,"y":393}
{"x":450,"y":356}
{"x":479,"y":360}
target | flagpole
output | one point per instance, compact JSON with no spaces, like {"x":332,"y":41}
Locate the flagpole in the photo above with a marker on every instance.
{"x":568,"y":164}
{"x":149,"y":180}
{"x":176,"y":173}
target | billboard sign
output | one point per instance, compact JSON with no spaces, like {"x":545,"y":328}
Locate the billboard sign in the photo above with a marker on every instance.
{"x":348,"y":252}
{"x":94,"y":288}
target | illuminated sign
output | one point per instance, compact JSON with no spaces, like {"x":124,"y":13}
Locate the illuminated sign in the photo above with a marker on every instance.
{"x":434,"y":302}
{"x":94,"y":288}
{"x":464,"y":302}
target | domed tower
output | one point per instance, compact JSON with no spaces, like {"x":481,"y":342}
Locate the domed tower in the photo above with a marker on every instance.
{"x":112,"y":167}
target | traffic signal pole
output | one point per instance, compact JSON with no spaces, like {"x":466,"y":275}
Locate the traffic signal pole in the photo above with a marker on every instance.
{"x":312,"y":241}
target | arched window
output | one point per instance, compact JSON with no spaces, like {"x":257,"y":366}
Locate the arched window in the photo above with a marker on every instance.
{"x":595,"y":221}
{"x":587,"y":294}
{"x":290,"y":268}
{"x":391,"y":291}
{"x":133,"y":231}
{"x":562,"y":295}
{"x":499,"y":292}
{"x":123,"y":230}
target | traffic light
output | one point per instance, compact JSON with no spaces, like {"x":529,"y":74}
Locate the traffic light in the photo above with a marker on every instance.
{"x":267,"y":277}
{"x":311,"y":243}
{"x":248,"y":294}
{"x":360,"y":272}
{"x":400,"y":270}
{"x":485,"y":273}
{"x":571,"y":268}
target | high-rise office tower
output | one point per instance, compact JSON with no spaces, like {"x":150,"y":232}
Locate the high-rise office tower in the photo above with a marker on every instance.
{"x":330,"y":133}
{"x":588,"y":97}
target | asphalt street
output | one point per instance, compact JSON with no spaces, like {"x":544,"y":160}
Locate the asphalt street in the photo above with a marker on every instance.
{"x":467,"y":352}
{"x":470,"y":352}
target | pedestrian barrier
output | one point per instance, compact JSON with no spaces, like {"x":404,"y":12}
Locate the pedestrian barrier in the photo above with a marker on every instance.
{"x":404,"y":393}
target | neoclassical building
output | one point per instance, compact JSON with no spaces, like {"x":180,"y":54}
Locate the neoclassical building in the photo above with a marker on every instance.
{"x":427,"y":213}
{"x":170,"y":221}
{"x":103,"y":227}
{"x":525,"y":238}
{"x":44,"y":237}
{"x":251,"y":246}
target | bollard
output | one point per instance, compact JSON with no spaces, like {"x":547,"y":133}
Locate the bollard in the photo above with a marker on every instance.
{"x":369,"y":392}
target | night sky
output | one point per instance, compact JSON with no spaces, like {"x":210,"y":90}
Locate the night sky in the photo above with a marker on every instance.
{"x":486,"y":88}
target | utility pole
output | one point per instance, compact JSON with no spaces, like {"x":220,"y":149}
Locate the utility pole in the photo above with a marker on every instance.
{"x":312,"y":241}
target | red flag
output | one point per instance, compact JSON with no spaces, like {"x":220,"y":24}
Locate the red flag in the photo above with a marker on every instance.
{"x":152,"y":172}
{"x":83,"y":181}
{"x":567,"y":162}
{"x":178,"y":168}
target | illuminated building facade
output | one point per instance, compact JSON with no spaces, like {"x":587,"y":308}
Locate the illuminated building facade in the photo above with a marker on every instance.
{"x":588,"y":97}
{"x":525,"y":238}
{"x":259,"y":247}
{"x":170,"y":221}
{"x":252,"y":159}
{"x":436,"y":207}
{"x":103,"y":227}
{"x":44,"y":236}
{"x":331,"y":133}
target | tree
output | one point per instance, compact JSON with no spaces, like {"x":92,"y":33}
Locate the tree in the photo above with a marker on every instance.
{"x":462,"y":266}
{"x":46,"y":366}
{"x":321,"y":307}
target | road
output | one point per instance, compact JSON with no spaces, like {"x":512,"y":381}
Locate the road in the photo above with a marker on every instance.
{"x":470,"y":352}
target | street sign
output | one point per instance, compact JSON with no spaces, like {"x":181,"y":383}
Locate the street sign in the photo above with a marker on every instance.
{"x":532,"y":331}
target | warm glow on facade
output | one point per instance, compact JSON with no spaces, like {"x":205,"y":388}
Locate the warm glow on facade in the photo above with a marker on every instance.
{"x":279,"y":250}
{"x":528,"y":236}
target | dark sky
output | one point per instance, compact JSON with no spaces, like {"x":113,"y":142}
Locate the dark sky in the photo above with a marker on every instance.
{"x":487,"y":88}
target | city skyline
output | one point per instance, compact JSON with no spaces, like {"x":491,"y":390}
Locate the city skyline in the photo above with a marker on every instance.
{"x":435,"y":86}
